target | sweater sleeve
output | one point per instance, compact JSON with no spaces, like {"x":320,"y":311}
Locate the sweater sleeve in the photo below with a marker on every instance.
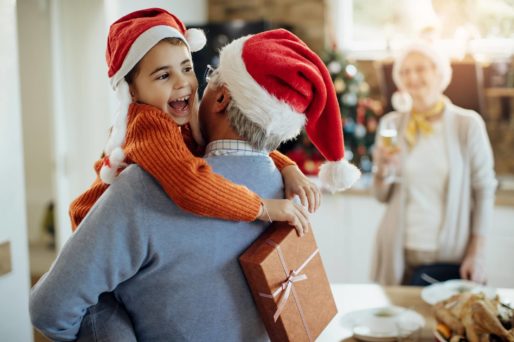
{"x":83,"y":203}
{"x":155,"y":143}
{"x":483,"y":181}
{"x":280,"y":160}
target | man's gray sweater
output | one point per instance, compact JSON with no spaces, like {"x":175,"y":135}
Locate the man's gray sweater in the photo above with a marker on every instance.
{"x":177,"y":274}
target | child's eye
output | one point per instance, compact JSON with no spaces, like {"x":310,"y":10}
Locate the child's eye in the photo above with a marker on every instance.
{"x":188,"y":69}
{"x":163,"y":76}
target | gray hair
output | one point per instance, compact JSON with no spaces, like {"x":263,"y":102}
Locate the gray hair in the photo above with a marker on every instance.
{"x":247,"y":129}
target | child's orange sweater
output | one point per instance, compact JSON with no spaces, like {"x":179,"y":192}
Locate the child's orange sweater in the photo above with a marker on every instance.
{"x":155,"y":143}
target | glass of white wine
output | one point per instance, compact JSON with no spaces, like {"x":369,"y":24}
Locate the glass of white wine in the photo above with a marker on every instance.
{"x":389,"y":141}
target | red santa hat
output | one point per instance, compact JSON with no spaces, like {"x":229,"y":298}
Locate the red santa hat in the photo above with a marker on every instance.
{"x":130,"y":38}
{"x":281,"y":85}
{"x":401,"y":100}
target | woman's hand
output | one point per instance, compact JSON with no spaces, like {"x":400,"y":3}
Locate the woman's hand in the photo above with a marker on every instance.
{"x":295,"y":183}
{"x":473,"y":265}
{"x":286,"y":211}
{"x":385,"y":159}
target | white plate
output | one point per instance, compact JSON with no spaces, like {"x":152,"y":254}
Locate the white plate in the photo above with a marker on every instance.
{"x":444,"y":290}
{"x":382,"y":324}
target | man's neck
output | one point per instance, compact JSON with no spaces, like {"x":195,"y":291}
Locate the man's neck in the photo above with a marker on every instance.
{"x":225,"y":147}
{"x":224,"y":135}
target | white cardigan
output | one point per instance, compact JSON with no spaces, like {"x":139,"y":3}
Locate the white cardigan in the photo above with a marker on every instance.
{"x":469,"y":200}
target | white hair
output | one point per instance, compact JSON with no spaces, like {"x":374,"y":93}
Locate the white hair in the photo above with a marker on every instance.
{"x":435,"y":54}
{"x":256,"y":136}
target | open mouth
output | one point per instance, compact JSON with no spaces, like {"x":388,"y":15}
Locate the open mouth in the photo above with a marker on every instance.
{"x":180,"y":106}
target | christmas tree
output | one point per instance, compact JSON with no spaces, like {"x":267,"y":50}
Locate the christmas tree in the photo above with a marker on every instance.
{"x":359,"y":115}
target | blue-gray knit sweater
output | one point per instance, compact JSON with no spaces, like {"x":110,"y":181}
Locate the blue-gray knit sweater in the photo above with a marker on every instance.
{"x":176,"y":274}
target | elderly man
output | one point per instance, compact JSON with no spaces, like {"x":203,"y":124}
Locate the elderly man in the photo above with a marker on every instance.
{"x":176,"y":274}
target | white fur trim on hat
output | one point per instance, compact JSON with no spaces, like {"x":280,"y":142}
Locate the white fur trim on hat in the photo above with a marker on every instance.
{"x":276,"y":117}
{"x":338,"y":175}
{"x":196,"y":39}
{"x":434,"y":53}
{"x":142,"y":45}
{"x":113,"y":149}
{"x":401,"y":101}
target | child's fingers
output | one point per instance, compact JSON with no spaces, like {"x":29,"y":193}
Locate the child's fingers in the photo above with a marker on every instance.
{"x":303,"y":196}
{"x":312,"y":198}
{"x":318,"y":198}
{"x":289,"y":194}
{"x":315,"y":200}
{"x":303,"y":216}
{"x":297,"y":224}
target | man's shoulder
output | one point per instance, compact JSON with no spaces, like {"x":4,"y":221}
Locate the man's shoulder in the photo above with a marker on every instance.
{"x":133,"y":179}
{"x":132,"y":172}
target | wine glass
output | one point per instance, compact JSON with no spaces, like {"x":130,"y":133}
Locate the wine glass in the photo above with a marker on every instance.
{"x":389,"y":141}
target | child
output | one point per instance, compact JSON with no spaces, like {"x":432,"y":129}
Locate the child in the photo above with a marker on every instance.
{"x":149,"y":58}
{"x":144,"y":134}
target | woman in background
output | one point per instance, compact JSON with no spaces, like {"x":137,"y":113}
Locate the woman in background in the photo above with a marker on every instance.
{"x":434,"y":168}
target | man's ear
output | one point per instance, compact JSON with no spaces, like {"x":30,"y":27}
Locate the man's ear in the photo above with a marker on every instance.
{"x":223,"y":98}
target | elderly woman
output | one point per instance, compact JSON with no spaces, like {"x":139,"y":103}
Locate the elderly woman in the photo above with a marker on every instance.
{"x":437,"y":178}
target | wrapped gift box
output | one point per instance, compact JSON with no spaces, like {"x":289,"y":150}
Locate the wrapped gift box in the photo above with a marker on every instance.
{"x":289,"y":284}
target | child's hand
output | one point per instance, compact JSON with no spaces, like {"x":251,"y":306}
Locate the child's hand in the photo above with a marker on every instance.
{"x":286,"y":210}
{"x":295,"y":183}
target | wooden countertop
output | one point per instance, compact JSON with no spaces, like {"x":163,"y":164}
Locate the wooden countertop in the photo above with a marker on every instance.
{"x":352,"y":297}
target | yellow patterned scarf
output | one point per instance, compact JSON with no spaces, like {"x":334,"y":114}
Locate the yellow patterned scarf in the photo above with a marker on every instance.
{"x":419,"y":123}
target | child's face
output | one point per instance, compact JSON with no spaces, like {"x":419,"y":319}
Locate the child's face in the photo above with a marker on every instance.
{"x":166,"y":80}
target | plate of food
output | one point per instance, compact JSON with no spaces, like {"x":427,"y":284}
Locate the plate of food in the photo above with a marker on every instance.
{"x":474,"y":318}
{"x":440,"y":291}
{"x":382,"y":324}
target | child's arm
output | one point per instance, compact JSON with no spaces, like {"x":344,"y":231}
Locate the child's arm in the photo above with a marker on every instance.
{"x":154,"y":142}
{"x":81,"y":205}
{"x":295,"y":182}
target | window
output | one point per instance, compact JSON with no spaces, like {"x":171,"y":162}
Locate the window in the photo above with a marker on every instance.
{"x":475,"y":26}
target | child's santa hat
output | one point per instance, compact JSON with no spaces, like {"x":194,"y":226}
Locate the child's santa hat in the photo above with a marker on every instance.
{"x":130,"y":38}
{"x":401,"y":100}
{"x":281,"y":85}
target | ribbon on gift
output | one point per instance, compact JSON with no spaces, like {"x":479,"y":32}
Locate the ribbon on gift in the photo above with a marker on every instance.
{"x":287,"y":285}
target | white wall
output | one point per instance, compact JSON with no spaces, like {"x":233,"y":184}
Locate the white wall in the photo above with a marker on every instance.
{"x":189,"y":11}
{"x":14,"y":286}
{"x":36,"y":104}
{"x":81,"y":101}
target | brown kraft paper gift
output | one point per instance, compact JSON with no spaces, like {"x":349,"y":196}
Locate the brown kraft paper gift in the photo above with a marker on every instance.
{"x":288,"y":282}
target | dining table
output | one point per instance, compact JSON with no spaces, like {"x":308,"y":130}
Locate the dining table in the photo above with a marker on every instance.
{"x":353,"y":297}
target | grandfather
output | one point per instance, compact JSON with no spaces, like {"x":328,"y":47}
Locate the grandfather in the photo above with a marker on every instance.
{"x":177,"y":274}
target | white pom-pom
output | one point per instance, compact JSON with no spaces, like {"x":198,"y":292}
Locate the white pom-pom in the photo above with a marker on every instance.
{"x":117,"y":157}
{"x":339,"y":175}
{"x":107,"y":174}
{"x":196,"y":39}
{"x":402,"y":101}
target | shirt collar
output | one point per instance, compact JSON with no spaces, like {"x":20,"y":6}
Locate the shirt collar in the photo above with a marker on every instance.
{"x":232,"y":147}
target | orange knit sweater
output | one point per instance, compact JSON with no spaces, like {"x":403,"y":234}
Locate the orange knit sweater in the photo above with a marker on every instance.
{"x":157,"y":144}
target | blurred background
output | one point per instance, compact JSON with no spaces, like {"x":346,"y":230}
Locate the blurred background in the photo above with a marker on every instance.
{"x":56,"y":107}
